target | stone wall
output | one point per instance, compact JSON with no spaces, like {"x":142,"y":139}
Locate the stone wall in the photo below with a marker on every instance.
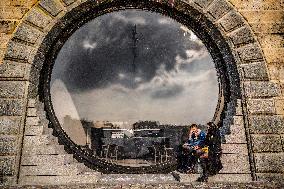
{"x":24,"y":23}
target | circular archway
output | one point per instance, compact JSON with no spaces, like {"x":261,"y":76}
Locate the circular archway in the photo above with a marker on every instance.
{"x":197,"y":22}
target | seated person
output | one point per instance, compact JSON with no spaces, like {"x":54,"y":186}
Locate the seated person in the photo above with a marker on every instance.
{"x":191,"y":150}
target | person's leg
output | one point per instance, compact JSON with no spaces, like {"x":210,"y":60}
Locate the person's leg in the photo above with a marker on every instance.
{"x":204,"y":165}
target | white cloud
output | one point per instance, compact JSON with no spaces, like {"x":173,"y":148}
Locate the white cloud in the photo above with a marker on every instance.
{"x":89,"y":45}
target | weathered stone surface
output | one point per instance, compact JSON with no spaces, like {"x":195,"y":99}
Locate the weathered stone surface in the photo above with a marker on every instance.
{"x":261,"y":89}
{"x":32,"y":121}
{"x":242,"y":35}
{"x":270,"y":177}
{"x":203,"y":3}
{"x":266,"y":143}
{"x":11,"y":107}
{"x":31,"y":103}
{"x":38,"y":18}
{"x":261,"y":106}
{"x":18,"y":50}
{"x":7,"y":165}
{"x":68,"y":2}
{"x":219,"y":8}
{"x":256,"y":70}
{"x":12,"y":89}
{"x":9,"y":125}
{"x":267,"y":124}
{"x":43,"y":150}
{"x":8,"y":145}
{"x":239,"y":138}
{"x":231,"y":21}
{"x":27,"y":33}
{"x":50,"y":169}
{"x":7,"y":26}
{"x":234,"y":149}
{"x":235,"y":163}
{"x":250,"y":52}
{"x":32,"y":112}
{"x":51,"y":6}
{"x":269,"y":162}
{"x":279,"y":105}
{"x":31,"y":130}
{"x":12,"y":69}
{"x":30,"y":141}
{"x":51,"y":159}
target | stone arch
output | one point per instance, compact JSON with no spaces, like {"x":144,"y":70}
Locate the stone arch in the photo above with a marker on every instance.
{"x":247,"y":67}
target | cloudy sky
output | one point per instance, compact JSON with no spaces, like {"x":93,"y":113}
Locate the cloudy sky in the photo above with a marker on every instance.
{"x":172,"y":78}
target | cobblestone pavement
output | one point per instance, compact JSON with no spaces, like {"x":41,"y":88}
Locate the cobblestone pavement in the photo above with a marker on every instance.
{"x":194,"y":185}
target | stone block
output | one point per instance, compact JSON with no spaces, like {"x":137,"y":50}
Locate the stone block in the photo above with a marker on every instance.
{"x":38,"y":18}
{"x":18,"y":51}
{"x":59,"y":180}
{"x":231,"y":21}
{"x":32,"y":121}
{"x":266,"y":143}
{"x":32,"y":103}
{"x":261,"y":106}
{"x":250,"y":52}
{"x":269,"y":162}
{"x":270,"y":177}
{"x":256,"y":70}
{"x":33,"y":130}
{"x":238,"y":120}
{"x":8,"y":181}
{"x":241,"y":35}
{"x":234,"y":149}
{"x":50,"y":169}
{"x":203,"y":3}
{"x":51,"y":6}
{"x":12,"y":89}
{"x":267,"y":124}
{"x":8,"y":145}
{"x":239,"y":138}
{"x":11,"y":107}
{"x":240,"y":178}
{"x":44,"y":150}
{"x":261,"y":89}
{"x":235,"y":163}
{"x":43,"y":159}
{"x":12,"y":69}
{"x":219,"y":8}
{"x":10,"y":125}
{"x":30,"y":141}
{"x":279,"y":105}
{"x":27,"y":33}
{"x":7,"y":165}
{"x":7,"y":26}
{"x":68,"y":2}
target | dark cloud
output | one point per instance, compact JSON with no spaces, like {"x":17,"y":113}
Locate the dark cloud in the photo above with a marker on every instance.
{"x":96,"y":54}
{"x":167,"y":92}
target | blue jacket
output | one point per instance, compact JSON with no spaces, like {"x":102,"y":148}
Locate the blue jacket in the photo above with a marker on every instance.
{"x":198,"y":141}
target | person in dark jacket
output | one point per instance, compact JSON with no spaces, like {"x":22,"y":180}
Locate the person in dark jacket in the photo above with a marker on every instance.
{"x":190,"y":150}
{"x":211,"y":164}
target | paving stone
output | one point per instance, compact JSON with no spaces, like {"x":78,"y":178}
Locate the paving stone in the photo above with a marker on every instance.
{"x":241,"y":35}
{"x":51,"y":159}
{"x":18,"y":51}
{"x":27,"y":33}
{"x":56,"y":180}
{"x":39,"y":140}
{"x":235,"y":163}
{"x":250,"y":52}
{"x":51,"y":6}
{"x":270,"y":177}
{"x":68,"y":2}
{"x":12,"y":89}
{"x":261,"y":106}
{"x":10,"y":125}
{"x":38,"y":18}
{"x":219,"y":8}
{"x":261,"y":89}
{"x":266,"y":124}
{"x":7,"y":165}
{"x":32,"y":120}
{"x":50,"y":169}
{"x":239,"y":138}
{"x":256,"y":70}
{"x":31,"y":130}
{"x":269,"y":162}
{"x":231,"y":21}
{"x":12,"y":69}
{"x":8,"y":145}
{"x":44,"y":150}
{"x":11,"y":107}
{"x":32,"y":112}
{"x":266,"y":143}
{"x":234,"y":149}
